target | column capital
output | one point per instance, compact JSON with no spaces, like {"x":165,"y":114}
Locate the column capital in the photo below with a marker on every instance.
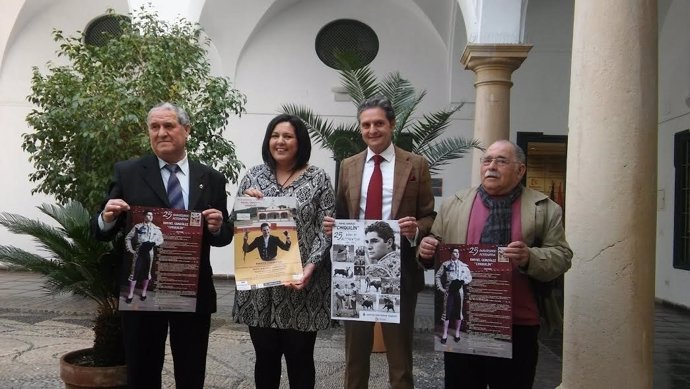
{"x":504,"y":55}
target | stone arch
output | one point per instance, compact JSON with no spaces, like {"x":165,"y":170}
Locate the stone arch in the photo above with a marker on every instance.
{"x":232,"y":39}
{"x":23,"y":17}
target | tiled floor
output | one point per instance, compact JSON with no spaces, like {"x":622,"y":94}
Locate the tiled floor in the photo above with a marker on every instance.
{"x":36,"y":328}
{"x":671,"y":348}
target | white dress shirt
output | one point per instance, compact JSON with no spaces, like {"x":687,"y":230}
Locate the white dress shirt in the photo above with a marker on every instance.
{"x":387,"y":171}
{"x":182,"y":176}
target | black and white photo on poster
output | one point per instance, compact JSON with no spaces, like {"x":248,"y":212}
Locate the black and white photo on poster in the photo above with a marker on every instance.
{"x":365,"y":283}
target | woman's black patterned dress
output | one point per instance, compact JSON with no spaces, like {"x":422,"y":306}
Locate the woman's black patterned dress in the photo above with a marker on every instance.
{"x":279,"y":307}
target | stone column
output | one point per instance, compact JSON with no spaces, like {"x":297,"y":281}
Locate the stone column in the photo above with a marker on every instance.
{"x":493,"y":65}
{"x":611,"y":196}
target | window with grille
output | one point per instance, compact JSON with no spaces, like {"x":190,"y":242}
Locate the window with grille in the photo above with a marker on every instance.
{"x":681,"y":230}
{"x":104,"y":28}
{"x":346,"y":42}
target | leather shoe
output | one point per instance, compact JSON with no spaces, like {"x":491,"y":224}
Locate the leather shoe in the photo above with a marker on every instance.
{"x":143,"y":298}
{"x":456,"y":338}
{"x":443,"y":340}
{"x":128,"y":300}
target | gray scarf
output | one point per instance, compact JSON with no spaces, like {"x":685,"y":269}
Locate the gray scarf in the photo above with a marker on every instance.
{"x":497,"y":227}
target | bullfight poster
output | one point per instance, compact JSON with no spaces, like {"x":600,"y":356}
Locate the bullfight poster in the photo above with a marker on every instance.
{"x":473,"y":300}
{"x":266,"y":242}
{"x":365,"y":283}
{"x":161,"y":262}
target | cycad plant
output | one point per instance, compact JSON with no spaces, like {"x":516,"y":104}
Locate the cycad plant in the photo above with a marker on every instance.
{"x":72,"y":262}
{"x":420,"y":136}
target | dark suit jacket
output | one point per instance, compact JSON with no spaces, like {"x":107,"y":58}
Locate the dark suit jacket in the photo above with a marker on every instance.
{"x":138,"y":182}
{"x":411,"y":197}
{"x":266,"y":253}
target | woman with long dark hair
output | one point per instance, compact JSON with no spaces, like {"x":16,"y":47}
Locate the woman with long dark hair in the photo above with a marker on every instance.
{"x":283,"y":320}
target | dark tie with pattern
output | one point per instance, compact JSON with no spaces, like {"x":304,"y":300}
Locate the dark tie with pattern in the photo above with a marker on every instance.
{"x":374,"y":205}
{"x":174,"y":188}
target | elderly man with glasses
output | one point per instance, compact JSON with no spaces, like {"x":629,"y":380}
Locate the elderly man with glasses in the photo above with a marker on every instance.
{"x":503,"y":212}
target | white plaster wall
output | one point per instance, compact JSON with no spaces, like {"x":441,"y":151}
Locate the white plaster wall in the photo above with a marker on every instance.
{"x":501,"y":21}
{"x":674,"y":116}
{"x":10,"y":10}
{"x":275,"y":63}
{"x":169,"y":10}
{"x":540,"y":94}
{"x":31,"y":44}
{"x":230,"y":23}
{"x":278,"y":65}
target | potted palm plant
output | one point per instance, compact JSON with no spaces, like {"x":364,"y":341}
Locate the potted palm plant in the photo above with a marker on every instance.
{"x":420,"y":136}
{"x":73,"y":262}
{"x":90,"y":113}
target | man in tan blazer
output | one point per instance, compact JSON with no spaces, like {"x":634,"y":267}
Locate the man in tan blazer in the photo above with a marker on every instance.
{"x":501,"y":211}
{"x":407,"y":198}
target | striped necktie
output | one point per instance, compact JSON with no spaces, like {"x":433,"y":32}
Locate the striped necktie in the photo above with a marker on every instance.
{"x":174,"y":189}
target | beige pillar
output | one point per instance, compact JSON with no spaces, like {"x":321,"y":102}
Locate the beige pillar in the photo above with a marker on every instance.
{"x":493,"y":65}
{"x":611,"y":196}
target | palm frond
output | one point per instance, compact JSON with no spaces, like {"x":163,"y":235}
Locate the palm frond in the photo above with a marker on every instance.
{"x":22,"y":259}
{"x":430,"y":127}
{"x":442,"y":152}
{"x":418,"y":136}
{"x":360,"y":84}
{"x":398,"y":90}
{"x":403,"y":97}
{"x":347,"y":141}
{"x":72,"y":261}
{"x":343,"y":139}
{"x":320,"y":129}
{"x":50,"y":239}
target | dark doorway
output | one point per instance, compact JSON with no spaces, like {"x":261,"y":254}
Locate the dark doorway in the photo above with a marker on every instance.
{"x":546,"y":163}
{"x":546,"y":157}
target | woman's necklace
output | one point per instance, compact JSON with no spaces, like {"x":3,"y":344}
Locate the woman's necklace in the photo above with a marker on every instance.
{"x":282,"y":186}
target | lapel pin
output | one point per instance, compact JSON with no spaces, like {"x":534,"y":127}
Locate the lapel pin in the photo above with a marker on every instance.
{"x":201,"y":186}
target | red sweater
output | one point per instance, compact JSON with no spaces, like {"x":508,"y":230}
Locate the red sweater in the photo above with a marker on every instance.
{"x":525,"y":311}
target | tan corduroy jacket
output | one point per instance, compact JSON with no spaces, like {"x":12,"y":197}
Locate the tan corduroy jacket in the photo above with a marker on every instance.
{"x":542,"y":230}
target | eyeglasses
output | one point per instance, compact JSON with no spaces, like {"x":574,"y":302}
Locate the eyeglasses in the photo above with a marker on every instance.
{"x":500,"y":161}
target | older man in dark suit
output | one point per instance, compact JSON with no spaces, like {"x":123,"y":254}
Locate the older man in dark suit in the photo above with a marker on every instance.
{"x":385,"y":182}
{"x":167,"y":179}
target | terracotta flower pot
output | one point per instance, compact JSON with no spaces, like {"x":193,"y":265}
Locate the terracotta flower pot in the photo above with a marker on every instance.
{"x":76,"y":376}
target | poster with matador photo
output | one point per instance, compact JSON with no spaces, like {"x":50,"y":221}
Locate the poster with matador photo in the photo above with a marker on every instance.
{"x":161,"y":261}
{"x":473,"y":300}
{"x":266,"y":242}
{"x":365,"y":282}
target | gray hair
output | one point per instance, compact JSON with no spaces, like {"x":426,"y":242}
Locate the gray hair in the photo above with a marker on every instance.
{"x":519,"y":153}
{"x":181,"y":114}
{"x":377,"y":102}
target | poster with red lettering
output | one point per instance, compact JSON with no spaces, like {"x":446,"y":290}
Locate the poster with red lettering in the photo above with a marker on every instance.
{"x":161,"y":261}
{"x":473,"y":300}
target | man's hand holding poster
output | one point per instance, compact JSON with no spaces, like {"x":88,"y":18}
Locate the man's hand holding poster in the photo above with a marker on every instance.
{"x":266,"y":242}
{"x":473,"y":301}
{"x":161,"y":261}
{"x":365,"y":282}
